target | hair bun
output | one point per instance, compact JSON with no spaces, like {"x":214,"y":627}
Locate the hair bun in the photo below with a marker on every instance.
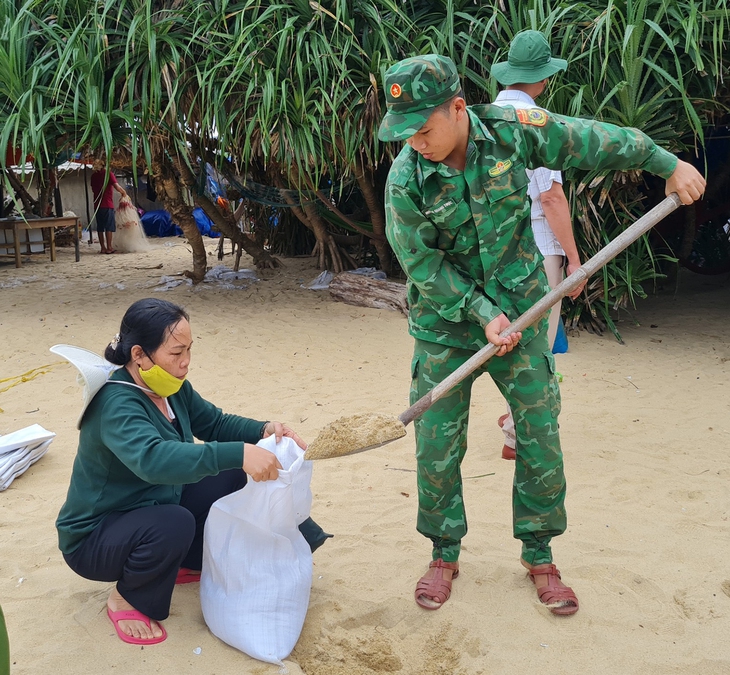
{"x":114,"y":353}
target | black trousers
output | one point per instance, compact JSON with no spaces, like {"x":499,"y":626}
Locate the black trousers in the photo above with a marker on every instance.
{"x":142,"y":550}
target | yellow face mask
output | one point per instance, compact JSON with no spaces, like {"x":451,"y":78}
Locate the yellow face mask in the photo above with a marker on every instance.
{"x":160,"y":381}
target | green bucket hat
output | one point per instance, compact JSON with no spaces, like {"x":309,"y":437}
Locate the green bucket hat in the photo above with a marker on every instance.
{"x":413,"y":88}
{"x":529,"y":60}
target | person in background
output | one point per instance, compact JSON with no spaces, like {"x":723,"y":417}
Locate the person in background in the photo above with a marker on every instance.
{"x":141,"y":487}
{"x":525,"y":76}
{"x":103,"y":184}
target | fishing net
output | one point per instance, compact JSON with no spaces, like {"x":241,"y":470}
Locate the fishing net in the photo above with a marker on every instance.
{"x":129,"y":237}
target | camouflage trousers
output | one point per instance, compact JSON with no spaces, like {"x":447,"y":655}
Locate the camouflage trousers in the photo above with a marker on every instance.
{"x":526,"y":378}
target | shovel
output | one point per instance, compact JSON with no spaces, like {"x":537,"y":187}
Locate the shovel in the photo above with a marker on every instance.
{"x":350,"y":435}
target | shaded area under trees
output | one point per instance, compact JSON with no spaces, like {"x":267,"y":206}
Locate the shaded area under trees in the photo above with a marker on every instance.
{"x":289,"y":95}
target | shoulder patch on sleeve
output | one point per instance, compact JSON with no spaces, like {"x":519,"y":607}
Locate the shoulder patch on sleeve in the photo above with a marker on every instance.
{"x":495,"y":112}
{"x":537,"y":117}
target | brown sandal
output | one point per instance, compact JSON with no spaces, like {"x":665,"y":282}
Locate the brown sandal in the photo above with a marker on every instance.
{"x":436,"y":589}
{"x":561,"y":600}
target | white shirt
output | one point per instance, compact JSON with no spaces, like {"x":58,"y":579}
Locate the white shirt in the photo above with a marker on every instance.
{"x":541,"y":180}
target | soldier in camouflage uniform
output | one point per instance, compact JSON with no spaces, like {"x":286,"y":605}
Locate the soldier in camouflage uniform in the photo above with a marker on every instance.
{"x":458,"y":220}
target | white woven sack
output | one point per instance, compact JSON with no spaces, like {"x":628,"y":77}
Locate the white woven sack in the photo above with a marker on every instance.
{"x":20,"y":449}
{"x":257,"y":566}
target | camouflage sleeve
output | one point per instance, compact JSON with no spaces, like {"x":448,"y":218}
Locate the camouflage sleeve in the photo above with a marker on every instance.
{"x":558,"y":142}
{"x":414,"y":240}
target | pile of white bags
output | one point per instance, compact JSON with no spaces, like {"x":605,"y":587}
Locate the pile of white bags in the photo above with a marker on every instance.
{"x":257,"y":566}
{"x":129,"y":237}
{"x":20,"y":449}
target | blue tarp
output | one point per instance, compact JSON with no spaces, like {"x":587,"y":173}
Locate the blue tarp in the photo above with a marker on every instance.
{"x":159,"y":224}
{"x":560,"y":346}
{"x":205,"y":224}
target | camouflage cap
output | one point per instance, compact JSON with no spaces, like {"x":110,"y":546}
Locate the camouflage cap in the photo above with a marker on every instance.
{"x":413,"y":88}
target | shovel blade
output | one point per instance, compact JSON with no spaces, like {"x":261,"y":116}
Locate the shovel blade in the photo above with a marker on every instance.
{"x":354,"y":434}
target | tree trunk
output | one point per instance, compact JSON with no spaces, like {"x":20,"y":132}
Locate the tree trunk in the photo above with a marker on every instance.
{"x":170,"y":192}
{"x":365,"y":179}
{"x":328,"y":253}
{"x":227,"y":226}
{"x":30,"y":205}
{"x":47,"y":181}
{"x":357,"y":289}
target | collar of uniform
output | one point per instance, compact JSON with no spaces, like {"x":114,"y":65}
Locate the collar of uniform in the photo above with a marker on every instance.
{"x":507,"y":95}
{"x":427,"y":167}
{"x":477,"y":132}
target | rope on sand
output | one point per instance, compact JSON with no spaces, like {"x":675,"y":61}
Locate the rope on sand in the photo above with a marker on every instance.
{"x":27,"y":377}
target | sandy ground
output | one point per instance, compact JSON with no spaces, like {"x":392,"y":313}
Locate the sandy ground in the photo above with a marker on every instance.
{"x":646,"y":433}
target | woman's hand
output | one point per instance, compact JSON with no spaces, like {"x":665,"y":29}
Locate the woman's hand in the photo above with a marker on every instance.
{"x":260,"y":464}
{"x":279,"y":430}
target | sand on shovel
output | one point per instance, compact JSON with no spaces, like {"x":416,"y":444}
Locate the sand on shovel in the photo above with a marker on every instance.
{"x":348,"y":435}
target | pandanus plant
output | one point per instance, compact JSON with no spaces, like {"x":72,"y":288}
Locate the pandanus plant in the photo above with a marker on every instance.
{"x":287,"y":96}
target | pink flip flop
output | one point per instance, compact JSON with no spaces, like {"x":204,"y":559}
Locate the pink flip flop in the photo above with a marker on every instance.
{"x":133,"y":615}
{"x":186,"y":576}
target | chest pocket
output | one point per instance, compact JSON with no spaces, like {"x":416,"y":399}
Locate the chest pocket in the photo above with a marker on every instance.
{"x":452,"y":219}
{"x":508,"y":202}
{"x":509,"y":184}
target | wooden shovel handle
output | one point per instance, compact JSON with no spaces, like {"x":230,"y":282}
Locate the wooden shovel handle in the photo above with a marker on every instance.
{"x":607,"y":253}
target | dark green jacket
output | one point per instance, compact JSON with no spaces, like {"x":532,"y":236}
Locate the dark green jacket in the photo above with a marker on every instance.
{"x":130,"y":456}
{"x":464,"y":238}
{"x":4,"y":647}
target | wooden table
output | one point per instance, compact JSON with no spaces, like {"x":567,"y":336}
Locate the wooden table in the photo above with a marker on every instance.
{"x":47,"y":227}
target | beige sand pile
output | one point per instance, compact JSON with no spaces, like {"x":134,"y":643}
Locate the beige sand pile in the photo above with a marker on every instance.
{"x":354,"y":433}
